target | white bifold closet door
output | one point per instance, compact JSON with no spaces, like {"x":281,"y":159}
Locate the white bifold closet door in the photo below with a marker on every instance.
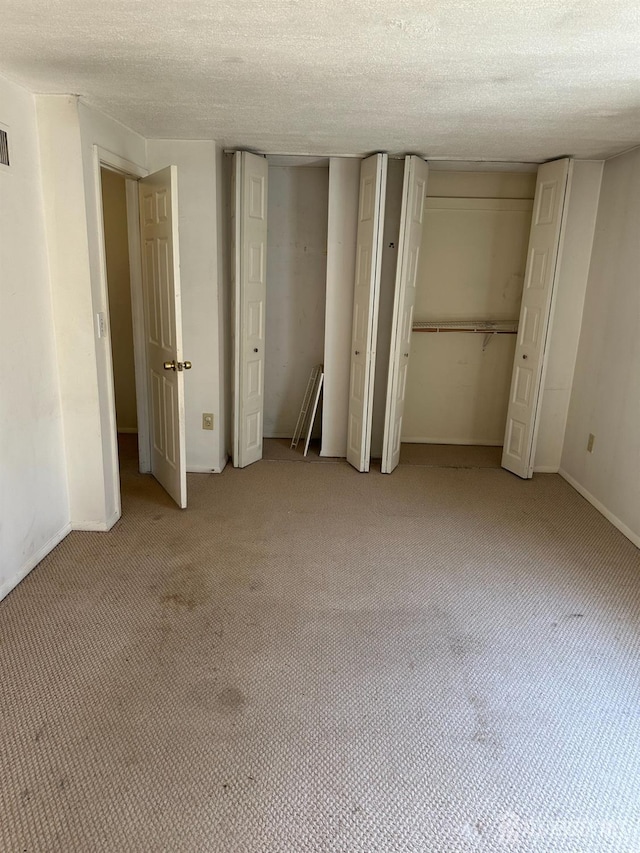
{"x":414,"y":191}
{"x":158,"y":198}
{"x":535,"y":313}
{"x":249,"y":279}
{"x":366,"y":300}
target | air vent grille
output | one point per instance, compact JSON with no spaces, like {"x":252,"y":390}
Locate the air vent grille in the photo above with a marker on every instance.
{"x":4,"y":148}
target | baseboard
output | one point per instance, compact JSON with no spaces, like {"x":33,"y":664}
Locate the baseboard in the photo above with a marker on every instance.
{"x":545,"y":469}
{"x":279,"y":435}
{"x":471,"y":442}
{"x":622,"y":527}
{"x":128,"y":430}
{"x":33,"y":561}
{"x":200,"y":469}
{"x":96,"y":526}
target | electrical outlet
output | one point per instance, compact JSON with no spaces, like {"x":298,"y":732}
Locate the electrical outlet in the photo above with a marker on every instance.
{"x":207,"y":420}
{"x":592,"y":438}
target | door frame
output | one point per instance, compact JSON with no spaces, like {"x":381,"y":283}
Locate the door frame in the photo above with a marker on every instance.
{"x":103,"y":158}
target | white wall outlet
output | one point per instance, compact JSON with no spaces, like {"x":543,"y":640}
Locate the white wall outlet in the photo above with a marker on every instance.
{"x":207,"y":420}
{"x":590,"y":441}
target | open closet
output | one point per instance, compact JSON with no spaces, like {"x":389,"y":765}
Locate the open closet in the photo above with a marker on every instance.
{"x":468,"y":292}
{"x":461,"y":254}
{"x":437,"y":292}
{"x":279,"y":303}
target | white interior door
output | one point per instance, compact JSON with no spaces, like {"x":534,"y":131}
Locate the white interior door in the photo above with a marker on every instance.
{"x":535,"y":312}
{"x":414,"y":191}
{"x":366,"y":298}
{"x":249,"y":276}
{"x":163,"y":326}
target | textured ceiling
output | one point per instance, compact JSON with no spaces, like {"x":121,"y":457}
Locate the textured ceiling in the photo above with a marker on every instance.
{"x":457,"y":79}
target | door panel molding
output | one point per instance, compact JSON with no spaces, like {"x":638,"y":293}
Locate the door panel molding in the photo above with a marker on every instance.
{"x":536,"y":311}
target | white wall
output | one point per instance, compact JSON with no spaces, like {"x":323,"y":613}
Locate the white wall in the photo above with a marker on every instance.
{"x":34,"y":506}
{"x":605,"y":398}
{"x":114,"y":204}
{"x":472,"y":263}
{"x":296,"y":287}
{"x":392,"y":210}
{"x":342,"y":227}
{"x":197,"y":162}
{"x":564,"y":331}
{"x":67,"y":242}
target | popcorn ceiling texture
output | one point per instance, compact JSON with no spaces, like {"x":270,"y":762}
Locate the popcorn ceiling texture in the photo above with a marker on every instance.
{"x":500,"y":79}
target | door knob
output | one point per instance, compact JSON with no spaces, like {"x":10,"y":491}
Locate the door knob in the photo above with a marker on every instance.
{"x":177,"y":365}
{"x":525,"y":357}
{"x":357,"y":352}
{"x":255,"y":349}
{"x":406,"y":355}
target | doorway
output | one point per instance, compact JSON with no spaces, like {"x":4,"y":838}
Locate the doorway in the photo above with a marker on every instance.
{"x":118,"y":270}
{"x":151,"y":216}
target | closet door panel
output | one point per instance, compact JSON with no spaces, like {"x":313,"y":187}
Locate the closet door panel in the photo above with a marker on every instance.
{"x":373,"y":179}
{"x":249,"y":274}
{"x":535,"y":313}
{"x":416,"y":173}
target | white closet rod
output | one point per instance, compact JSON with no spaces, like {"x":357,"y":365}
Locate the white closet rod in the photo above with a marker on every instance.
{"x":496,"y":328}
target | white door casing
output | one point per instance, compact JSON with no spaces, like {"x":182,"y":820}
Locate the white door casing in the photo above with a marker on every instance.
{"x":414,"y":191}
{"x":366,"y":299}
{"x":535,"y":314}
{"x":158,"y":194}
{"x":249,"y":279}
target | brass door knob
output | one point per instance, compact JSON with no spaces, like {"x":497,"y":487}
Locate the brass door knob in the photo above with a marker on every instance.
{"x":177,"y":365}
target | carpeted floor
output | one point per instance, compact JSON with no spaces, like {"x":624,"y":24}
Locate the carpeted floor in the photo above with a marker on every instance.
{"x":451,"y":455}
{"x":280,"y":450}
{"x":309,"y":659}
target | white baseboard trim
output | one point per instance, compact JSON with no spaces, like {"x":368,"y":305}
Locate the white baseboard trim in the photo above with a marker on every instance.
{"x":96,"y":526}
{"x":412,"y":440}
{"x":33,"y":561}
{"x":545,"y":469}
{"x":279,"y":435}
{"x":200,"y":469}
{"x":622,"y":527}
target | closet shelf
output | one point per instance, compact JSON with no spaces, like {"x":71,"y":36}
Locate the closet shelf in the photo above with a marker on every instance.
{"x":484,"y":327}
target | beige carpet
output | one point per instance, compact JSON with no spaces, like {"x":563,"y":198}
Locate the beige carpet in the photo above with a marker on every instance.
{"x":280,"y":450}
{"x":451,"y":455}
{"x":309,"y":659}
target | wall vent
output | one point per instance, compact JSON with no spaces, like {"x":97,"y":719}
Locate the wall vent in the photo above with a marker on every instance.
{"x":4,"y":147}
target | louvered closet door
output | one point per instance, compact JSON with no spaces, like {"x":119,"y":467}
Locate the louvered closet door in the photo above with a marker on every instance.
{"x":366,"y":298}
{"x":540,"y":274}
{"x":158,"y":195}
{"x":416,"y":172}
{"x":249,"y":273}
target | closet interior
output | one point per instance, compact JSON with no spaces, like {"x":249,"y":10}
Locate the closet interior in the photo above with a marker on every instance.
{"x":468,"y":292}
{"x":295,"y":287}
